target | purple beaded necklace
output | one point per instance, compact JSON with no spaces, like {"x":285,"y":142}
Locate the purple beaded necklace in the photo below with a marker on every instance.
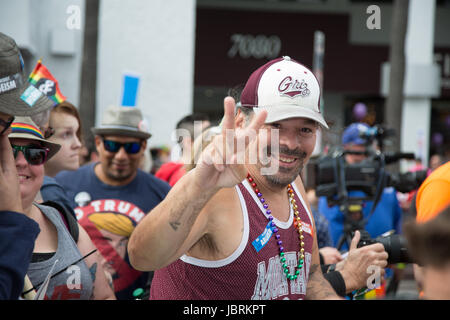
{"x":297,"y":225}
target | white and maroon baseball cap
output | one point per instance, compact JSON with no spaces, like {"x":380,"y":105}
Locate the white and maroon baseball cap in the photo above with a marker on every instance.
{"x":286,"y":89}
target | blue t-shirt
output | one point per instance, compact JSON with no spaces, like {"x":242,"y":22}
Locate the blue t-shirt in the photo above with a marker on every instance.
{"x":145,"y":191}
{"x":53,"y":191}
{"x":95,"y":202}
{"x":387,"y":215}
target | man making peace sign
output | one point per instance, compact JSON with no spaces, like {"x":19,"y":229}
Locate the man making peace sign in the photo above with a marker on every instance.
{"x":235,"y":227}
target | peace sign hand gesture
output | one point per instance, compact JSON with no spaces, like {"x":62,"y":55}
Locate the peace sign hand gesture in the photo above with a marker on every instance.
{"x":220,"y":164}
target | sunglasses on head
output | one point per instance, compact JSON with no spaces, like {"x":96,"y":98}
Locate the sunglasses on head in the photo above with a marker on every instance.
{"x":4,"y":125}
{"x":33,"y":154}
{"x":114,"y":146}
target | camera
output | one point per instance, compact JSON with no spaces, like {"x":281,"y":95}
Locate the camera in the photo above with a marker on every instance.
{"x":331,"y":176}
{"x":394,"y":245}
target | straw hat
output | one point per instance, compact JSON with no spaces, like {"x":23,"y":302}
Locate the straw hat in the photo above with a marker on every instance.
{"x":25,"y":128}
{"x":122,"y":121}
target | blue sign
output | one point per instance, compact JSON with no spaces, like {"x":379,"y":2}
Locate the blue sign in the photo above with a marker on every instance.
{"x":130,"y":90}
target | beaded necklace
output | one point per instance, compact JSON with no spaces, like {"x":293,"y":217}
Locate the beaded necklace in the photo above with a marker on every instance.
{"x":297,"y":225}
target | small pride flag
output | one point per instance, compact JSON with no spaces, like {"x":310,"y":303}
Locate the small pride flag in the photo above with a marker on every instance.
{"x":43,"y":80}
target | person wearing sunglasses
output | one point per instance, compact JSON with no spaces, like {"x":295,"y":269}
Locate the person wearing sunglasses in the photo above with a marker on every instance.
{"x":85,"y":278}
{"x":17,"y":231}
{"x":115,"y":186}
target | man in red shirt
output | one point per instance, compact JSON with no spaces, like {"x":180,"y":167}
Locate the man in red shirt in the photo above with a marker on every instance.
{"x":233,"y":229}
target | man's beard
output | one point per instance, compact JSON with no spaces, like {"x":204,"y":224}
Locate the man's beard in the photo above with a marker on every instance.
{"x":118,"y":175}
{"x":285,"y":176}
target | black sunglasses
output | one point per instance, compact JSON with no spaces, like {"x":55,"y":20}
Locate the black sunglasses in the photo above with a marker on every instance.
{"x":114,"y":146}
{"x":33,"y":154}
{"x":6,"y":124}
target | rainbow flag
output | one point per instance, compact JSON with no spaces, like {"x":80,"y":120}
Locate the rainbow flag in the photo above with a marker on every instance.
{"x":43,"y":80}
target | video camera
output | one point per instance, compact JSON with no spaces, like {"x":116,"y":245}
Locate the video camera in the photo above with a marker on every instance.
{"x":331,"y":176}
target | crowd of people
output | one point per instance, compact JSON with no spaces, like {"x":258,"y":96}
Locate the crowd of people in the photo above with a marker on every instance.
{"x":210,"y":225}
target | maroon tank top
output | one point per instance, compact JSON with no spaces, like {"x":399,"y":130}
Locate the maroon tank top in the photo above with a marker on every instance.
{"x":247,"y":273}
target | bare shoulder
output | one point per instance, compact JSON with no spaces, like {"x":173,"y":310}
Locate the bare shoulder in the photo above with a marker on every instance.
{"x":299,"y":183}
{"x":224,"y":227}
{"x":84,"y":243}
{"x":221,"y":203}
{"x":225,"y":195}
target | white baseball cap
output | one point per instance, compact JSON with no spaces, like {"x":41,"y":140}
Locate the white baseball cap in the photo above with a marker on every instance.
{"x":286,"y":89}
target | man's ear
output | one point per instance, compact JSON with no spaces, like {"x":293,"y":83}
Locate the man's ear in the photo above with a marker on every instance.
{"x":98,"y":142}
{"x":144,"y":145}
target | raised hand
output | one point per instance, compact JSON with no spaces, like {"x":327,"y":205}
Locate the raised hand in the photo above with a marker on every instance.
{"x":10,"y":199}
{"x":221,"y":163}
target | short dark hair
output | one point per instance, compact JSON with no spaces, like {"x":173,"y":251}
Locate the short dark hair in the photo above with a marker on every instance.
{"x":188,"y":121}
{"x":428,"y":243}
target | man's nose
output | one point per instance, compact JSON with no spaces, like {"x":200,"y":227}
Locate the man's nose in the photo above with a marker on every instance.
{"x":290,"y":139}
{"x":121,"y":154}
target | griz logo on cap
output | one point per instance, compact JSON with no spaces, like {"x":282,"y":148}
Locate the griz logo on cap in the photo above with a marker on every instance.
{"x":293,"y":88}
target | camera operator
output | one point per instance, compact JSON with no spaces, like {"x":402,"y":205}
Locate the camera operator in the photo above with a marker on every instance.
{"x":351,"y":273}
{"x":387,"y":214}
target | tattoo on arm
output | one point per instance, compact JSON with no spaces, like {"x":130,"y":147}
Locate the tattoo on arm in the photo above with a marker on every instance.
{"x":175,"y":219}
{"x":174,"y":225}
{"x":191,"y":211}
{"x":93,"y":271}
{"x":318,"y":287}
{"x":110,"y":283}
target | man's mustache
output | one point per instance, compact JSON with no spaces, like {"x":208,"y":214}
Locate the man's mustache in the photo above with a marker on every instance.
{"x":297,"y":153}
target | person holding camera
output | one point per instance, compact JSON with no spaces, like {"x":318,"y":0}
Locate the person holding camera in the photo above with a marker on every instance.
{"x":387,"y":214}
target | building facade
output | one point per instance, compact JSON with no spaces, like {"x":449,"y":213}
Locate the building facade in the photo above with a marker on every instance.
{"x":189,"y":54}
